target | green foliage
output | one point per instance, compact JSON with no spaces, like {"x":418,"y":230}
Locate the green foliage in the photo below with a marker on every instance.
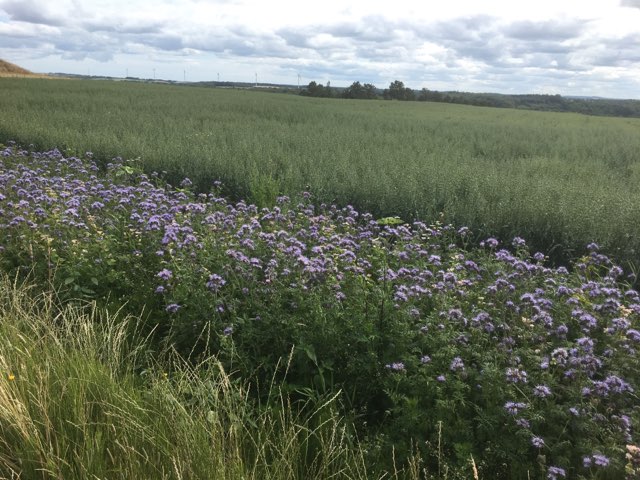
{"x":397,"y":91}
{"x":358,"y":91}
{"x":82,"y":397}
{"x":559,"y":180}
{"x":315,"y":89}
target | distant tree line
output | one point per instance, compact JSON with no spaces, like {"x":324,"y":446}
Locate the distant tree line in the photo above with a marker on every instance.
{"x":552,"y":103}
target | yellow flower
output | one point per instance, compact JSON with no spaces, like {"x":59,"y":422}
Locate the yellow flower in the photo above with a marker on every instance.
{"x":11,"y":377}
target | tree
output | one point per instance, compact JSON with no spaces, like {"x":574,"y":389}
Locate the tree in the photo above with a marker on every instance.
{"x":359,"y":91}
{"x":397,"y":91}
{"x":370,"y":91}
{"x":315,"y":89}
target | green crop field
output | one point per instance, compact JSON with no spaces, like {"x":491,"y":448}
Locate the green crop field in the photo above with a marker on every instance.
{"x":558,"y":180}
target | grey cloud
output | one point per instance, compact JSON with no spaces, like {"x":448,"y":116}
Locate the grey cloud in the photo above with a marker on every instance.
{"x":30,"y":11}
{"x":550,"y":30}
{"x":238,"y":41}
{"x":160,"y":41}
{"x":367,"y":29}
{"x":463,"y":29}
{"x":105,"y":25}
{"x":630,"y":3}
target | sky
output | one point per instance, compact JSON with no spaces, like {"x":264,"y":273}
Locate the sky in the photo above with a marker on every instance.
{"x":567,"y":47}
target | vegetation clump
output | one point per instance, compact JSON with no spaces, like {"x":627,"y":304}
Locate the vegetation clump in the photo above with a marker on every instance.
{"x":434,"y":348}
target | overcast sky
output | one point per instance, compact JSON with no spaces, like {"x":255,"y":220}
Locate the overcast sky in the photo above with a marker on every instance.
{"x":570,"y":47}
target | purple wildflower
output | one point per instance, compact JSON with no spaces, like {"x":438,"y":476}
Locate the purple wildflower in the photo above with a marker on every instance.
{"x":173,"y":308}
{"x":537,"y":442}
{"x":457,"y":365}
{"x":555,"y":472}
{"x":165,"y":274}
{"x":396,"y":366}
{"x":541,"y":391}
{"x":215,"y":282}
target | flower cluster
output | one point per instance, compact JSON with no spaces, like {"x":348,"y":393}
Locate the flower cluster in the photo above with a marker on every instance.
{"x":505,"y":353}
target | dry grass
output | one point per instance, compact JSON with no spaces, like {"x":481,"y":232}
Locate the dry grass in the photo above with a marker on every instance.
{"x":8,"y":69}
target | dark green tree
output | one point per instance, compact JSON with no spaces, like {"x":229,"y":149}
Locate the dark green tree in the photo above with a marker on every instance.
{"x":397,"y":91}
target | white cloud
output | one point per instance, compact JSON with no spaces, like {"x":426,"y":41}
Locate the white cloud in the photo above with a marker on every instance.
{"x":571,"y":45}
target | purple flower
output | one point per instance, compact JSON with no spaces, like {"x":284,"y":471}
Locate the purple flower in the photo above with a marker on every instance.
{"x":537,"y":442}
{"x":518,"y":242}
{"x":396,"y":366}
{"x":515,"y":375}
{"x":215,"y":282}
{"x":457,"y":365}
{"x":489,"y":242}
{"x":173,"y":308}
{"x":600,"y":460}
{"x":513,"y":408}
{"x":165,"y":274}
{"x":227,"y":331}
{"x":541,"y":391}
{"x":425,"y":359}
{"x":441,"y":378}
{"x":554,"y":472}
{"x":633,"y":335}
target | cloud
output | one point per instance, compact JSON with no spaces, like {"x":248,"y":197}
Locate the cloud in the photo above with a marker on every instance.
{"x":630,"y":3}
{"x":123,"y":26}
{"x":31,"y":11}
{"x":552,"y":30}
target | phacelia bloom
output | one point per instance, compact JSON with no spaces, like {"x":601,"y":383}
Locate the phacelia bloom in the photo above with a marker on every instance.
{"x":441,"y":378}
{"x":457,"y":365}
{"x":515,"y":375}
{"x":215,"y":282}
{"x":555,"y":472}
{"x":173,"y":308}
{"x":633,"y":335}
{"x":160,"y":289}
{"x":600,"y":460}
{"x":541,"y":391}
{"x":537,"y":442}
{"x":518,"y":242}
{"x":425,"y":359}
{"x":489,"y":242}
{"x":227,"y":331}
{"x":396,"y":366}
{"x":513,"y":408}
{"x":165,"y":274}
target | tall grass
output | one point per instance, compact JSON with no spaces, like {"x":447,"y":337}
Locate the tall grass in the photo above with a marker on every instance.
{"x":81,"y":398}
{"x":560,"y":180}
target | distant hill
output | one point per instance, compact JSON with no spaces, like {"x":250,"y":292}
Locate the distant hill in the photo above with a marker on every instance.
{"x":8,"y":69}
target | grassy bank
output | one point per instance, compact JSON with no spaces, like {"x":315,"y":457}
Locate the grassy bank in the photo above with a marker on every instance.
{"x":83,"y":396}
